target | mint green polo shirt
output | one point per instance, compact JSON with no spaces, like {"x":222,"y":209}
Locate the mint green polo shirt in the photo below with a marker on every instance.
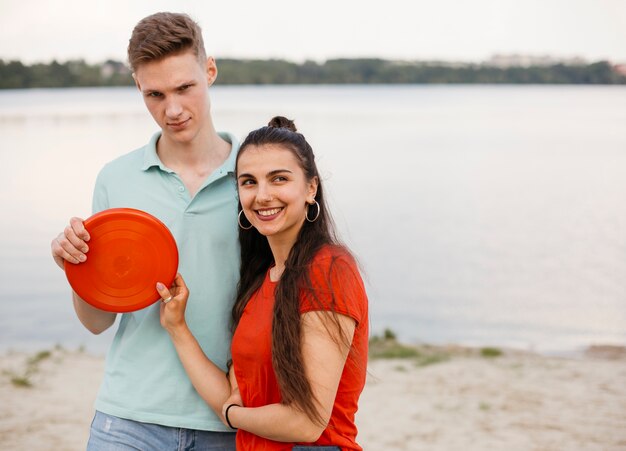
{"x":144,"y":379}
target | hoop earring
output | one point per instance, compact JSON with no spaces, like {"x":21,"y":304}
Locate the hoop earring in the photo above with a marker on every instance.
{"x":239,"y":221}
{"x":316,"y":216}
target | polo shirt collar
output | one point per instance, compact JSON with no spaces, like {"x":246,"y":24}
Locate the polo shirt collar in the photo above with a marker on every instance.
{"x":229,"y":164}
{"x":151,"y":158}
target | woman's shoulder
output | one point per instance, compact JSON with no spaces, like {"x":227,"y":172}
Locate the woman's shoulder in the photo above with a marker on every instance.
{"x":336,"y":283}
{"x":332,"y":258}
{"x":333,"y":252}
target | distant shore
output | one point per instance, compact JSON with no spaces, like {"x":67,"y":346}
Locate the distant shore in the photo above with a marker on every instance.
{"x":416,"y":398}
{"x":78,"y":73}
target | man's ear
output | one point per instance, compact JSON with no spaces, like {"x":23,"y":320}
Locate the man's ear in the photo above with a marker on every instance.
{"x":211,"y":70}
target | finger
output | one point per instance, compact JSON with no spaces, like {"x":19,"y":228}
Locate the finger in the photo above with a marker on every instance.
{"x":71,"y":245}
{"x":60,"y":254}
{"x":180,"y":283}
{"x":79,"y":228}
{"x":67,"y":250}
{"x":164,"y":292}
{"x":76,"y":240}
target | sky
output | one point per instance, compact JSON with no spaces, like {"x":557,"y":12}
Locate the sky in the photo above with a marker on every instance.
{"x":451,"y":30}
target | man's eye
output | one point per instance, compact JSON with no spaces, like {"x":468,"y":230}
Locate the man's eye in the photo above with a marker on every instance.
{"x":154,"y":94}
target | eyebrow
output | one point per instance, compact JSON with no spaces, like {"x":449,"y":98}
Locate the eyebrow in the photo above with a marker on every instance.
{"x":269,"y":174}
{"x":186,"y":83}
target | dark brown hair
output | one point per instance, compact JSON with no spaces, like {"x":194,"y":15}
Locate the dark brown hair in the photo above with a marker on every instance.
{"x":256,"y":259}
{"x":163,"y":34}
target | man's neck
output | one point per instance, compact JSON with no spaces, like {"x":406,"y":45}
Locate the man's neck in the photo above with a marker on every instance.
{"x":207,"y":147}
{"x":194,"y":161}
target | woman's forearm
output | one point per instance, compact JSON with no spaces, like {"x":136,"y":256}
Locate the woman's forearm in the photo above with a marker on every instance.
{"x":278,"y":422}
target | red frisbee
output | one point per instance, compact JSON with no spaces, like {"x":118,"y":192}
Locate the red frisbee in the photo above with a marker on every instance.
{"x":129,"y":252}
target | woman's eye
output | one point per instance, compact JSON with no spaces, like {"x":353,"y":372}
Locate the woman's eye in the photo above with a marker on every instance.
{"x":280,"y":178}
{"x":247,"y":182}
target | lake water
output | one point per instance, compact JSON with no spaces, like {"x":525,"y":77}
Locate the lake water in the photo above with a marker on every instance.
{"x":481,"y":215}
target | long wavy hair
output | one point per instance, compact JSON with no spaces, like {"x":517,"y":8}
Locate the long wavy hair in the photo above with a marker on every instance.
{"x":256,"y":259}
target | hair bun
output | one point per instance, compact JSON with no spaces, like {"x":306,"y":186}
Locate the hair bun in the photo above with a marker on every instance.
{"x":282,"y":122}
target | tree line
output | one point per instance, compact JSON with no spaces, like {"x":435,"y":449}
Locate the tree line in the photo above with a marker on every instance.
{"x":78,"y":73}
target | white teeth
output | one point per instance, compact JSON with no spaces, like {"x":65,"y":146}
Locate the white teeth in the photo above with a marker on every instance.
{"x":271,"y":212}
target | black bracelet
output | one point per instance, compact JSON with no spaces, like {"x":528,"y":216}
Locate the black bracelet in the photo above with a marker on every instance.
{"x":226,"y":415}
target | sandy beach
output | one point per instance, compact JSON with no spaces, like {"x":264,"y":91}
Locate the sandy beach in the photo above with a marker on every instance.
{"x":444,"y":398}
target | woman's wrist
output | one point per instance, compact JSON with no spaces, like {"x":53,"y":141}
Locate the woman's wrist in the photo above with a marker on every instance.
{"x":179,"y":332}
{"x":227,"y":412}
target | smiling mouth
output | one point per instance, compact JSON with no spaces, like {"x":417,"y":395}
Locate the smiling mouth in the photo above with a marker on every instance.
{"x":269,"y":212}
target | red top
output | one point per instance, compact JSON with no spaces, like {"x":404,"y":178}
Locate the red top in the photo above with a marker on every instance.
{"x":332,"y":268}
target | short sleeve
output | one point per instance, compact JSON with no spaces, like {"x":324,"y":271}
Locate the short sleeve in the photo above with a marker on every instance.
{"x":335,"y":285}
{"x":100,"y":199}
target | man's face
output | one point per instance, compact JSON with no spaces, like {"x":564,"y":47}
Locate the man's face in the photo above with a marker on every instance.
{"x":175,"y":91}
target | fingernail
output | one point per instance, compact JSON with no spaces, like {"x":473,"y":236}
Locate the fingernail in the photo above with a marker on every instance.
{"x":160,"y":286}
{"x":87,"y":238}
{"x":82,"y":258}
{"x":85,"y":248}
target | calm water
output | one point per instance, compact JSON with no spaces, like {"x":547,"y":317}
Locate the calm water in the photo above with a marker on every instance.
{"x":480,"y":215}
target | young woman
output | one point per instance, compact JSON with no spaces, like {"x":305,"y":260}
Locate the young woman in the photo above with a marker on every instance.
{"x":300,"y":318}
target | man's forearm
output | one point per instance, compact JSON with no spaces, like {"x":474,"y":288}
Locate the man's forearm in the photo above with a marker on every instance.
{"x":95,"y":320}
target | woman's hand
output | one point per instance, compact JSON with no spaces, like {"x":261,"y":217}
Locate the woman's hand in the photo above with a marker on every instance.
{"x":173,"y":304}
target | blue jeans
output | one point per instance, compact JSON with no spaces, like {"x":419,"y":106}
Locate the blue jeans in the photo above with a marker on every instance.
{"x":109,"y":433}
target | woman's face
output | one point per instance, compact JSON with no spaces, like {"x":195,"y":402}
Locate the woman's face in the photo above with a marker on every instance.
{"x":274,"y":191}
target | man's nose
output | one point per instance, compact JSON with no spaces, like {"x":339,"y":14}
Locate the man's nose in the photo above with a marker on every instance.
{"x":173,"y":108}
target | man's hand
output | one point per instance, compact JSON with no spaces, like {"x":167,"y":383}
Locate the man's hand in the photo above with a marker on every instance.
{"x":71,"y":244}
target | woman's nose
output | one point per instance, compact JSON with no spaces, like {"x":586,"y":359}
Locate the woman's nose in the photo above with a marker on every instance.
{"x":264,"y":194}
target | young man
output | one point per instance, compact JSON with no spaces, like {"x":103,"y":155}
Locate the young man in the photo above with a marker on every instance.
{"x":184,"y":177}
